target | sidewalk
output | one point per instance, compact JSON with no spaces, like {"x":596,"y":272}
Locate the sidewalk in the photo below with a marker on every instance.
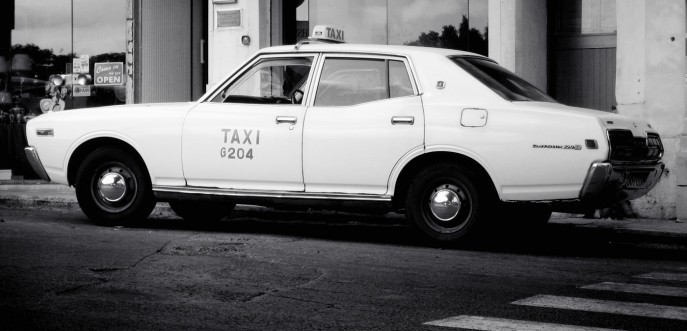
{"x":31,"y":194}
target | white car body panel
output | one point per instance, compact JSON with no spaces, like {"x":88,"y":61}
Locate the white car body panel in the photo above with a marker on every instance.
{"x":276,"y":148}
{"x":154,"y":131}
{"x":354,"y":149}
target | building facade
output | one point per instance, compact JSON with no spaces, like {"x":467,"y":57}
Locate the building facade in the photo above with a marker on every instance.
{"x":624,"y":56}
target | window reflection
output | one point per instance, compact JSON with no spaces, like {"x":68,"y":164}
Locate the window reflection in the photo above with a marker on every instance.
{"x":455,"y":24}
{"x":45,"y":69}
{"x":450,"y":24}
{"x":363,"y":20}
{"x":99,"y":36}
{"x":40,"y":47}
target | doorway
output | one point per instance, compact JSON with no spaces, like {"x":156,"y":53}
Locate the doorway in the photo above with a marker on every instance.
{"x":582,"y":43}
{"x":171,"y":62}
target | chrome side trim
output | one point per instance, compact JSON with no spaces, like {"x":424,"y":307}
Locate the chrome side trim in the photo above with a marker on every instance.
{"x":271,"y":194}
{"x":45,"y":132}
{"x":35,"y":163}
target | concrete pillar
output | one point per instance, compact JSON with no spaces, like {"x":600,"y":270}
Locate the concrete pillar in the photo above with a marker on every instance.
{"x":517,"y":38}
{"x":226,"y":52}
{"x":130,"y":43}
{"x":650,"y":85}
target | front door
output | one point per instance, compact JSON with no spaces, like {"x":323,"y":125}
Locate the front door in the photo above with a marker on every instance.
{"x":249,"y":135}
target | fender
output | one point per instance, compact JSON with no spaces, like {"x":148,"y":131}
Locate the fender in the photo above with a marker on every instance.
{"x":101,"y":134}
{"x":413,"y":154}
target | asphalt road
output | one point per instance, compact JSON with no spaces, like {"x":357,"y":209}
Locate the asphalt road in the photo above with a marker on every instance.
{"x":297,"y":271}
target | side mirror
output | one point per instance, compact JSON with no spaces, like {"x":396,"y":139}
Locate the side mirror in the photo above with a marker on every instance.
{"x":297,"y":97}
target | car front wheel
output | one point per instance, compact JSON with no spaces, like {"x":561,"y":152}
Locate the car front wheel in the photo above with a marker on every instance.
{"x":112,"y":187}
{"x":445,"y":203}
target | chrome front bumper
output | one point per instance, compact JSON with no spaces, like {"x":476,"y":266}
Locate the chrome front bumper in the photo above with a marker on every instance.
{"x":35,"y":163}
{"x":607,"y":183}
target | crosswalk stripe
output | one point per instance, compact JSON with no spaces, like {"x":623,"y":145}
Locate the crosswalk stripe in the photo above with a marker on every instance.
{"x":604,"y":306}
{"x":639,"y":288}
{"x":664,"y":276}
{"x":502,"y":324}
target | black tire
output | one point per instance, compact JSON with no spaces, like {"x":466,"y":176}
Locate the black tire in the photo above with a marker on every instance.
{"x":203,"y":212}
{"x":113,"y":187}
{"x":446,"y":203}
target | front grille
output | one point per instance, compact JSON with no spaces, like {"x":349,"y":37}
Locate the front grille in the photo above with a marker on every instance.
{"x":626,"y":147}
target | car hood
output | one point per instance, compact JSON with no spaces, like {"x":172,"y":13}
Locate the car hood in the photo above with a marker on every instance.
{"x":107,"y":110}
{"x":611,"y":121}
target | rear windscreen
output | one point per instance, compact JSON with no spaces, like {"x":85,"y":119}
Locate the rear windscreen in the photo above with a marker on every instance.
{"x":503,"y":82}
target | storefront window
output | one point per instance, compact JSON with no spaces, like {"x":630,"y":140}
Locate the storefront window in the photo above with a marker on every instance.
{"x":51,"y":60}
{"x":460,"y":24}
{"x":99,"y":36}
{"x":455,"y":24}
{"x":56,"y":55}
{"x":363,"y":20}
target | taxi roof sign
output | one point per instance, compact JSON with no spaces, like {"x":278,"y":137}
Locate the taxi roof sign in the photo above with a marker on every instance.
{"x":324,"y":34}
{"x":328,"y":33}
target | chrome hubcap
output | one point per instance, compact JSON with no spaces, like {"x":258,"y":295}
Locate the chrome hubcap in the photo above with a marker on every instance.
{"x":112,"y":186}
{"x":445,"y":203}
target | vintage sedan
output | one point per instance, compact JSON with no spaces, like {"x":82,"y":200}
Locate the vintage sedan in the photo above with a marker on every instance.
{"x":444,"y":136}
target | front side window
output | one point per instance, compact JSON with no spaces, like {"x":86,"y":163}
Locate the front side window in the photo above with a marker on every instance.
{"x":346,"y":82}
{"x":274,"y":81}
{"x":503,"y":82}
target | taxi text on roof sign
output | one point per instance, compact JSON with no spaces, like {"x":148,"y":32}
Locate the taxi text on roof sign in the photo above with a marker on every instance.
{"x":328,"y":32}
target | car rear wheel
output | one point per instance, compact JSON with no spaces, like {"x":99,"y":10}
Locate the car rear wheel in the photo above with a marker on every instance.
{"x":201,"y":211}
{"x":112,"y":186}
{"x":445,"y":203}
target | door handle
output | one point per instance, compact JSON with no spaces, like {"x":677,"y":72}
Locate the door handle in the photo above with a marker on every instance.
{"x":407,"y":120}
{"x":286,"y":119}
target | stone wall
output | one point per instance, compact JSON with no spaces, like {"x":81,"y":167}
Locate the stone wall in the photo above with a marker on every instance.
{"x":650,"y":85}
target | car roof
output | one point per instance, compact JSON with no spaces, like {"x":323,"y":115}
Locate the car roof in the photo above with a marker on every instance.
{"x":412,"y":51}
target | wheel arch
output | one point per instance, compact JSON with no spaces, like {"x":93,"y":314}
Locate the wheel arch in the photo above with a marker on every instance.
{"x":91,"y":145}
{"x":412,"y":168}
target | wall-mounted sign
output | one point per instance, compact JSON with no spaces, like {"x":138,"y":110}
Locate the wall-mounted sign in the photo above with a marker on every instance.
{"x":81,"y":91}
{"x":228,"y":18}
{"x":109,"y":73}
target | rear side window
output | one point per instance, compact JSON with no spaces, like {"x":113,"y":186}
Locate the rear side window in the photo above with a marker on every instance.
{"x":503,"y":82}
{"x":346,"y":82}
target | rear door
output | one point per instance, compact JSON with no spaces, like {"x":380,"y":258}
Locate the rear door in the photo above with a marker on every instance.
{"x":366,"y":114}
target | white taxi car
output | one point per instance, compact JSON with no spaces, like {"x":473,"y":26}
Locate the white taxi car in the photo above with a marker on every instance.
{"x":445,"y":136}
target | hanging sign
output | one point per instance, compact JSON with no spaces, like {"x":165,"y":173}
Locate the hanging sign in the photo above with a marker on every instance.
{"x":81,"y":90}
{"x":81,"y":64}
{"x":109,"y":74}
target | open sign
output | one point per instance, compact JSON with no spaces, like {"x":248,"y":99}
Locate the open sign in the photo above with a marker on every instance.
{"x":109,"y":74}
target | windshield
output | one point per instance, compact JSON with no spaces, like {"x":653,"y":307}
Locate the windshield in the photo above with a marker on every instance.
{"x":503,"y":82}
